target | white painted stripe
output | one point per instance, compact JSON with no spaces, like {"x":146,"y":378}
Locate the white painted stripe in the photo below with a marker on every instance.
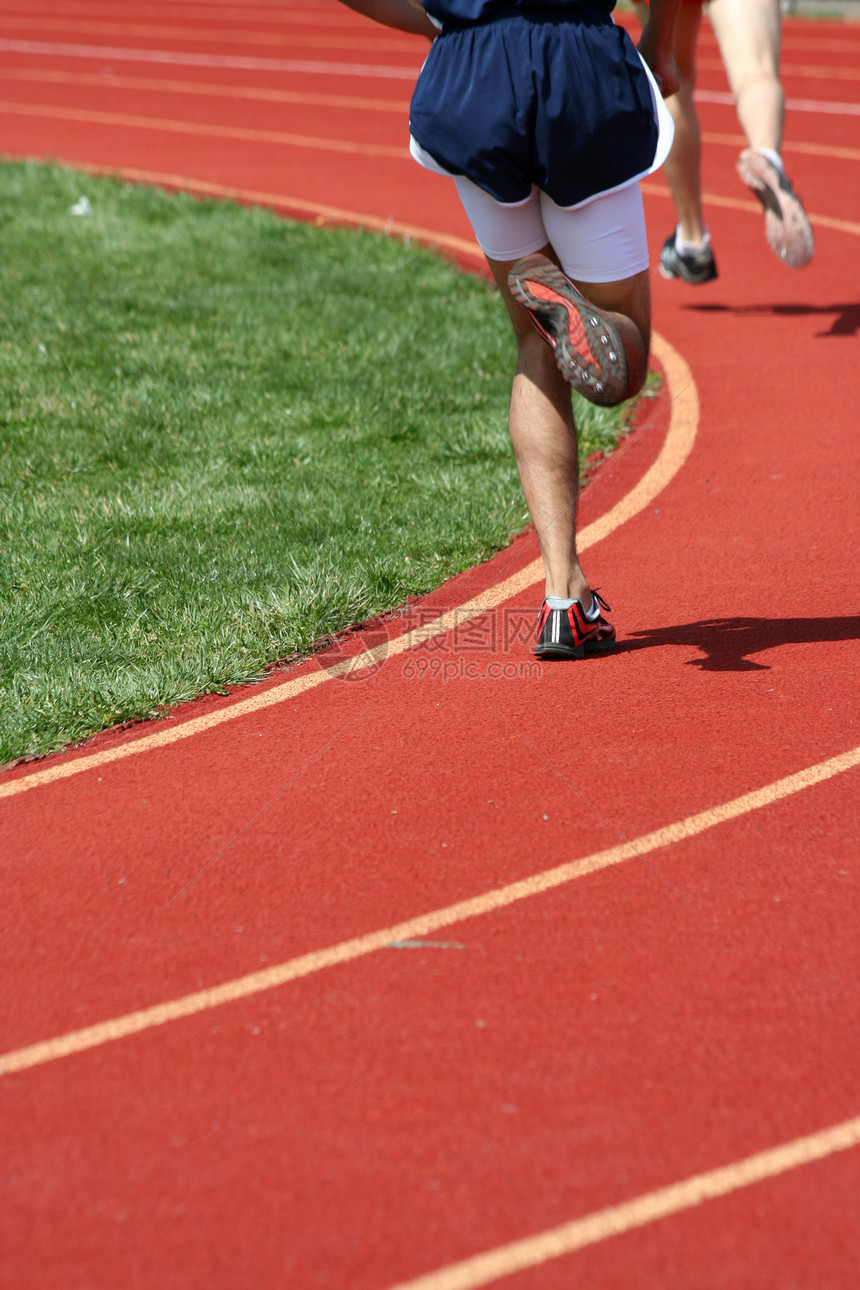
{"x":166,"y":125}
{"x":299,"y":65}
{"x":569,"y":1237}
{"x":794,"y":105}
{"x":309,"y":67}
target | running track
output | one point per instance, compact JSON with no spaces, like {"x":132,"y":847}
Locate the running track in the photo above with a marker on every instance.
{"x":623,"y":1051}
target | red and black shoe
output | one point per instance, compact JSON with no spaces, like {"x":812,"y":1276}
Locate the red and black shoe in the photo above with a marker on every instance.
{"x":587,"y":346}
{"x":567,"y":633}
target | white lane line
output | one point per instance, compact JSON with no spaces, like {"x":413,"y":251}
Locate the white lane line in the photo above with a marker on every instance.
{"x":317,"y":67}
{"x":419,"y":928}
{"x":302,"y":66}
{"x":110,"y":80}
{"x":202,"y":129}
{"x":483,"y":1269}
{"x":795,"y":105}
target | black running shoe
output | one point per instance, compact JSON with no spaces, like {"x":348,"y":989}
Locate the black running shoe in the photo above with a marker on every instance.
{"x":695,"y":267}
{"x":567,"y":633}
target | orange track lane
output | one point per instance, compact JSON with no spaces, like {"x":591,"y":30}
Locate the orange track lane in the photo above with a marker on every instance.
{"x":456,"y":969}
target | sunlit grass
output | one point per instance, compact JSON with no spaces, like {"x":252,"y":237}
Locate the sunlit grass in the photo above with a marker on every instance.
{"x":223,"y":436}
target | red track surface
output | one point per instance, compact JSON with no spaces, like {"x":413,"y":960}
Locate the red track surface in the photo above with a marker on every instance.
{"x":695,"y":1003}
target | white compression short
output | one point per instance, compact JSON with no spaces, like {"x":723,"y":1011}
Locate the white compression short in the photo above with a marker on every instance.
{"x":601,"y":241}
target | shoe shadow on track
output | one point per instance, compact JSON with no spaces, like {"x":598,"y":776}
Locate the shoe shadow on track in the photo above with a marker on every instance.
{"x":845,"y":323}
{"x":726,"y":643}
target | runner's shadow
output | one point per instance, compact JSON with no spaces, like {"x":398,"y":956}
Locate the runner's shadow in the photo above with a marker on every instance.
{"x":845,"y":323}
{"x":726,"y":643}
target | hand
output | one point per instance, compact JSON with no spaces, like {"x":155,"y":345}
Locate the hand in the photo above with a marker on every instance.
{"x":662,"y":65}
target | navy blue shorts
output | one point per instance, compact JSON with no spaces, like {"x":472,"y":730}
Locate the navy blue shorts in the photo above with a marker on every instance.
{"x":563,"y":103}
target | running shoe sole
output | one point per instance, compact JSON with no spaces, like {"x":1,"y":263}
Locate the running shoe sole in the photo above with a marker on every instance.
{"x":549,"y":650}
{"x":587,"y":346}
{"x":786,"y":224}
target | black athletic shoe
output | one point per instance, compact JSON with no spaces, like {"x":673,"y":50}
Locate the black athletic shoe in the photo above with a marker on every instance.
{"x":696,"y":267}
{"x":567,"y":633}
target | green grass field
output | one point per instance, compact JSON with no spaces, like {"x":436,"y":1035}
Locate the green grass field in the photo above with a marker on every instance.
{"x":223,"y":436}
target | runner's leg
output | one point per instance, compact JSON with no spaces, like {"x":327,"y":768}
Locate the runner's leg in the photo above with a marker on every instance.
{"x":544,"y":439}
{"x":601,"y":248}
{"x":748,"y":33}
{"x":683,"y":166}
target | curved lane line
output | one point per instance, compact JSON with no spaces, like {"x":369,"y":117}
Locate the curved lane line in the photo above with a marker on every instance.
{"x":320,"y":67}
{"x":794,"y":105}
{"x":488,"y":902}
{"x":359,"y":38}
{"x":301,"y":66}
{"x":208,"y":89}
{"x":166,"y":125}
{"x":740,"y":204}
{"x":232,"y":12}
{"x":215,"y":89}
{"x":569,"y":1237}
{"x":321,"y":211}
{"x":330,"y":145}
{"x":814,"y":72}
{"x":683,"y":425}
{"x":731,"y":140}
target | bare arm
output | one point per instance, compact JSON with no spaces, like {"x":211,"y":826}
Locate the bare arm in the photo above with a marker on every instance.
{"x":655,"y":46}
{"x":404,"y":15}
